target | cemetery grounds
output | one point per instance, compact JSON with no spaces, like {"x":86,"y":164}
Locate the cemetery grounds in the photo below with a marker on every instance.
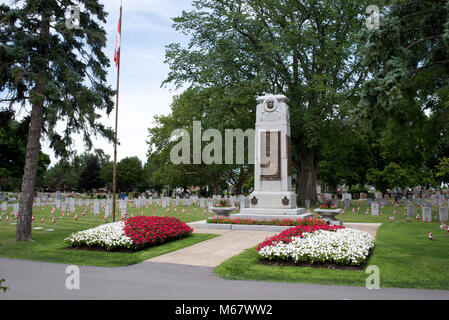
{"x":405,"y":256}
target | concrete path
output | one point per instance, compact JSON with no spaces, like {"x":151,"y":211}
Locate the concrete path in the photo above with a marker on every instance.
{"x":163,"y":281}
{"x":213,"y":252}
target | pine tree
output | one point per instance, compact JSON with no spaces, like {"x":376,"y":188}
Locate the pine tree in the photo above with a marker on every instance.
{"x":58,"y":70}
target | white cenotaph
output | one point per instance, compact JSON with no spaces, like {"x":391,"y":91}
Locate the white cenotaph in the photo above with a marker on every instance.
{"x":273,"y":196}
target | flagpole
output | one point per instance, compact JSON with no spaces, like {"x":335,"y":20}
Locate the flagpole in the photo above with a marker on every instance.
{"x":114,"y":178}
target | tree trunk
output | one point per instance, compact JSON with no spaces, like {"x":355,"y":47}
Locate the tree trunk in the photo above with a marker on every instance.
{"x":307,"y":175}
{"x":23,"y":231}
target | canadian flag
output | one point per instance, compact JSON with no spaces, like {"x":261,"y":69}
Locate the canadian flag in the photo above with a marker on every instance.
{"x":117,"y":44}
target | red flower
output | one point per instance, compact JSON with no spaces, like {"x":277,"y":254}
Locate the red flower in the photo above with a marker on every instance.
{"x":145,"y":231}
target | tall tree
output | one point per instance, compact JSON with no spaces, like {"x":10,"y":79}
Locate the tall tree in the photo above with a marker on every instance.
{"x":58,"y":69}
{"x":303,"y":49}
{"x":90,"y":176}
{"x":405,"y":96}
{"x":218,"y":108}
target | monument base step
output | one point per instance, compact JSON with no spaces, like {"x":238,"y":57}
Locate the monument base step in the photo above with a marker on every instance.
{"x":270,"y":214}
{"x":273,"y":212}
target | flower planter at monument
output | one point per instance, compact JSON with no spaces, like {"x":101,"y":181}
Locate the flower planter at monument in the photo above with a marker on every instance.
{"x":329,"y":214}
{"x":222,"y":211}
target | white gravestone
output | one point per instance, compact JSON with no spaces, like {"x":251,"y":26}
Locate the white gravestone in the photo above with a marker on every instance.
{"x":16,"y":208}
{"x":72,"y":205}
{"x":426,"y":214}
{"x":374,"y":209}
{"x":443,"y":214}
{"x":273,"y":195}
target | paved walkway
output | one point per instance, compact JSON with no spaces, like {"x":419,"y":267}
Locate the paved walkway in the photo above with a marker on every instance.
{"x":166,"y":281}
{"x":213,"y":252}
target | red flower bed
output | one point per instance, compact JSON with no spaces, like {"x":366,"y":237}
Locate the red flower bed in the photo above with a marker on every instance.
{"x":272,"y":222}
{"x":147,"y":231}
{"x":287,"y":235}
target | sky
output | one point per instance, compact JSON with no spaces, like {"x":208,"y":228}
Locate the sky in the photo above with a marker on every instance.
{"x":146,"y":30}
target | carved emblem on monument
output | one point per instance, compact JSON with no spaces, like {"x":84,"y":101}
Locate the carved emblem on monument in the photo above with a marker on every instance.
{"x":254,"y":201}
{"x":285,"y":201}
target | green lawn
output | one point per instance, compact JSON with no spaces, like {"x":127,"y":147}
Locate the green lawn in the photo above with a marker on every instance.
{"x":403,"y":254}
{"x":49,"y":246}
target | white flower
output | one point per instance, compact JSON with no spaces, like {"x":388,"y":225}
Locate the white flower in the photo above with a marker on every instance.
{"x":343,"y":246}
{"x":109,"y":236}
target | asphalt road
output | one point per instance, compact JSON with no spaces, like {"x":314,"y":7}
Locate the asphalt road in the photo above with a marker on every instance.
{"x":163,"y":281}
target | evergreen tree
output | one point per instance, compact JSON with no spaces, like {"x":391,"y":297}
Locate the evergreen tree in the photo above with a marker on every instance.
{"x":58,"y":70}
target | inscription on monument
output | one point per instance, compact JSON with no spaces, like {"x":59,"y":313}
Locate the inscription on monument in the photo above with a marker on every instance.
{"x":270,"y":166}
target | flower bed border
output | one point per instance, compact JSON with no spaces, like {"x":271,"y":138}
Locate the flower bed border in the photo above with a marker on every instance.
{"x":271,"y":222}
{"x":330,"y":266}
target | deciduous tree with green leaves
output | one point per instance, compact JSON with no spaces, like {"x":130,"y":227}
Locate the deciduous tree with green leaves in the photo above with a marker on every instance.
{"x":305,"y":50}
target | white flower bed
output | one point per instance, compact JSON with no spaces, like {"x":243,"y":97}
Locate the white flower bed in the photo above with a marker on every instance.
{"x":109,"y":236}
{"x":344,"y":246}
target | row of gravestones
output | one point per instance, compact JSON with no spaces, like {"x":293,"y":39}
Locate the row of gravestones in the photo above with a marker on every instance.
{"x":71,"y":203}
{"x":426,"y":212}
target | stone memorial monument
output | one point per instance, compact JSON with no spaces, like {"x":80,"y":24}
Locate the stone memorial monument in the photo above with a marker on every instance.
{"x":273,"y":196}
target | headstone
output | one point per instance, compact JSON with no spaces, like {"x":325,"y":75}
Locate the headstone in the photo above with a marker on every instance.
{"x":374,"y":209}
{"x":410,"y":210}
{"x":107,"y":209}
{"x":378,"y":195}
{"x":38,"y":201}
{"x":426,"y":214}
{"x":96,"y":207}
{"x":443,"y":216}
{"x":58,"y":195}
{"x":2,"y":197}
{"x":16,"y":208}
{"x":307,"y":203}
{"x":347,"y":203}
{"x":347,"y":196}
{"x":72,"y":205}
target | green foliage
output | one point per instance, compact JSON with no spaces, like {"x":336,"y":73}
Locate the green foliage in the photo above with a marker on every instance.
{"x":90,"y":176}
{"x":131,"y":175}
{"x":13,"y":137}
{"x":217,"y":108}
{"x":405,"y":98}
{"x":303,"y":49}
{"x":69,"y":64}
{"x":442,"y":169}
